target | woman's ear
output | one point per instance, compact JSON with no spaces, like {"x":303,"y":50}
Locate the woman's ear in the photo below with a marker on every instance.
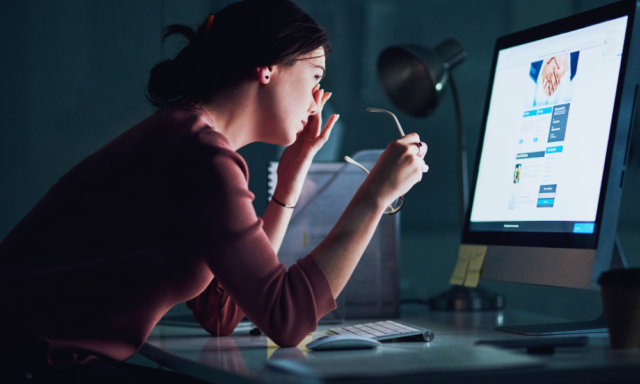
{"x":264,"y":74}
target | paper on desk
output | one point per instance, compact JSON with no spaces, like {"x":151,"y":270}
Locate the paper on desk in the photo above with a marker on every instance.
{"x":469,"y":266}
{"x":476,"y":261}
{"x":460,"y":270}
{"x":302,"y":346}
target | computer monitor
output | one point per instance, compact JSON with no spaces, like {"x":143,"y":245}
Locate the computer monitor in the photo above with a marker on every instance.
{"x":553,"y":150}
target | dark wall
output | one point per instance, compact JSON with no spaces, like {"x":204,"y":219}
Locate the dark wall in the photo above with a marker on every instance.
{"x":73,"y":76}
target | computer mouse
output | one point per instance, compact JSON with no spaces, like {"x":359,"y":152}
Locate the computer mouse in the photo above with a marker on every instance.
{"x":333,"y":342}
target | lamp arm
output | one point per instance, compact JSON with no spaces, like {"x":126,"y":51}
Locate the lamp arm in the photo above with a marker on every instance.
{"x":463,"y":175}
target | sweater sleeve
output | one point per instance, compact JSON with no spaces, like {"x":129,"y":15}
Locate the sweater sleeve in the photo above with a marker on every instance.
{"x":215,"y":311}
{"x":211,"y":201}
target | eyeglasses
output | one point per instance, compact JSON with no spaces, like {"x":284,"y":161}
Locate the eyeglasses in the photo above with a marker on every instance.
{"x":397,"y":205}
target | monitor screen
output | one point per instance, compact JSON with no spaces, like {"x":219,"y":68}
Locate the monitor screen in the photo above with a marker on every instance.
{"x":547,"y":131}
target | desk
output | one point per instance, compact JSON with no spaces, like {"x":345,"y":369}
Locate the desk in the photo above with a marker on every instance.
{"x":241,"y":358}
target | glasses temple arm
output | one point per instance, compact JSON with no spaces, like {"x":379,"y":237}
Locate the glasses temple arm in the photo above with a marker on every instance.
{"x":351,"y":161}
{"x":378,"y":110}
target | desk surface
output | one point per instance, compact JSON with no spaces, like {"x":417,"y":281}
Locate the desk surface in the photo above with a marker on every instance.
{"x":243,"y":358}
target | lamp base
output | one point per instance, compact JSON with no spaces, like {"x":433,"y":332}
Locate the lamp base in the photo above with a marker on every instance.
{"x":461,"y":298}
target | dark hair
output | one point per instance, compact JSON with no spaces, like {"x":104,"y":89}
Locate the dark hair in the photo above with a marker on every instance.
{"x":243,"y":36}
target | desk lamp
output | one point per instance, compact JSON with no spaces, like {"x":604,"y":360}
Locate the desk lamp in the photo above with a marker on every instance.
{"x":414,"y":78}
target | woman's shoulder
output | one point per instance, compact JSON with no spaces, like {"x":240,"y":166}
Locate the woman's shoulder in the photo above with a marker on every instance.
{"x":180,"y":138}
{"x":198,"y":140}
{"x":183,"y":124}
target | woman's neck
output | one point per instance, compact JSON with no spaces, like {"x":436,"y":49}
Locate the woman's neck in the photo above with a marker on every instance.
{"x":233,"y":113}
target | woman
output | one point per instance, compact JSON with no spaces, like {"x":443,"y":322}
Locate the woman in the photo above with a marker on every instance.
{"x":163,"y":215}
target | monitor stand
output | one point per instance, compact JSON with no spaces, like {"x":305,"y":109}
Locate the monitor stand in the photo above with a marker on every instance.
{"x":599,"y":325}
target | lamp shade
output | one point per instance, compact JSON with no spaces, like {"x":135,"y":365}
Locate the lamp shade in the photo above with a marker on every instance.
{"x":414,"y":77}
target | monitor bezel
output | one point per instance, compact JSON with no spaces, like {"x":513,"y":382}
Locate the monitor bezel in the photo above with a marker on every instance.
{"x":558,"y":239}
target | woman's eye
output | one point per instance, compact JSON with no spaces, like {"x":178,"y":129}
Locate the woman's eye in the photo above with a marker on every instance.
{"x":317,"y":77}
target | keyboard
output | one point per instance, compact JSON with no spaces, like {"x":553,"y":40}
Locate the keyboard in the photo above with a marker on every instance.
{"x":385,"y":330}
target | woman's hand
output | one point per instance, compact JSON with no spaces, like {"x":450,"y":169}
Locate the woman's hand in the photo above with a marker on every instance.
{"x":399,"y":168}
{"x":296,"y":158}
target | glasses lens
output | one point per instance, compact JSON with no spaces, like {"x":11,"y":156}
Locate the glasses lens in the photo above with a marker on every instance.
{"x":395,"y":206}
{"x":397,"y":203}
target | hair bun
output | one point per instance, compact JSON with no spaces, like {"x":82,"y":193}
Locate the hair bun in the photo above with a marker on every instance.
{"x":166,"y":81}
{"x":245,"y":35}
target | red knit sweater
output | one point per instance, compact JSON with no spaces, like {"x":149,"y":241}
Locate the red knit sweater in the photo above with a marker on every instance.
{"x":159,"y":216}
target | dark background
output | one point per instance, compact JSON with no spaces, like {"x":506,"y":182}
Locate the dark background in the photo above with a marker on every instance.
{"x":73,"y":73}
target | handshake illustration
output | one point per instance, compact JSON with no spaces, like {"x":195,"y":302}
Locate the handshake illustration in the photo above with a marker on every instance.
{"x":554,"y":68}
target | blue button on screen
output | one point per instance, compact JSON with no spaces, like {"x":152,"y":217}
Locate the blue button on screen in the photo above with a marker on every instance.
{"x":554,"y":149}
{"x":583,"y":227}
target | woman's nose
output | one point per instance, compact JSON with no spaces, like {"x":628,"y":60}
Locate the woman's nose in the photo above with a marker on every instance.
{"x":313,"y":108}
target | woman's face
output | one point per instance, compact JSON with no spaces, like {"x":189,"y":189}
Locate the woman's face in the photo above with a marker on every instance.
{"x":290,"y":97}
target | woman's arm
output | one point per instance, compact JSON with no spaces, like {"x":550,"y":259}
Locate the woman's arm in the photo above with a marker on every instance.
{"x":339,"y":253}
{"x":292,"y":170}
{"x":213,"y":205}
{"x":397,"y":170}
{"x":206,"y":194}
{"x":276,"y":220}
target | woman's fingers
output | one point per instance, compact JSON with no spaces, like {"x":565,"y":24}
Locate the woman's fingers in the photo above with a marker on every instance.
{"x":317,"y":96}
{"x":422,"y":149}
{"x":325,"y":97}
{"x":416,"y":148}
{"x":410,"y":138}
{"x":421,"y":152}
{"x":413,"y":145}
{"x":315,"y":121}
{"x":320,"y":98}
{"x":324,"y":135}
{"x":400,"y":167}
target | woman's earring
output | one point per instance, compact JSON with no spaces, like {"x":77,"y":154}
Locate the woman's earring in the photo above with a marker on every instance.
{"x":266,"y":77}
